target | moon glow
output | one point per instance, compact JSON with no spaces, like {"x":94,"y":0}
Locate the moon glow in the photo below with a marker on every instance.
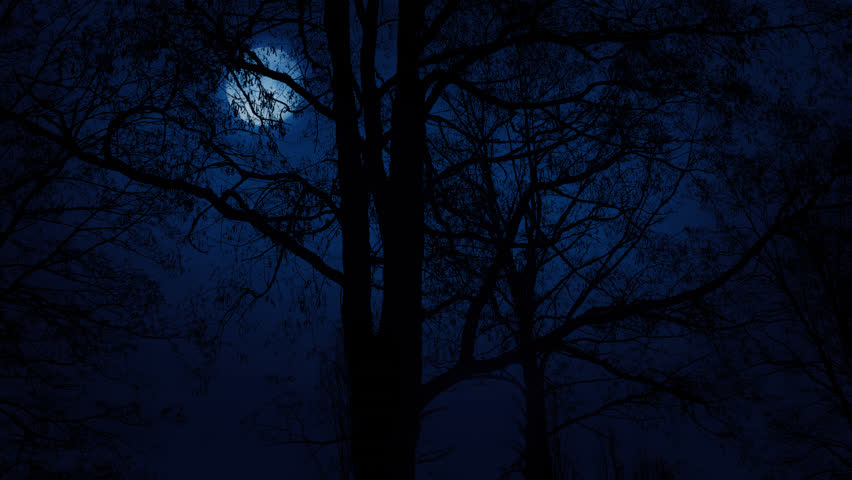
{"x":258,"y":99}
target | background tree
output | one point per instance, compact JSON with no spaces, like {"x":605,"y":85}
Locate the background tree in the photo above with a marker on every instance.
{"x":786,"y":308}
{"x":564,"y":206}
{"x":795,"y":305}
{"x":815,"y":346}
{"x":70,"y":309}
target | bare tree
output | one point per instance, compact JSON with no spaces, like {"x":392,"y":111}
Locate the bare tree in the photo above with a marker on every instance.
{"x":69,"y":308}
{"x":802,"y":326}
{"x":560,"y":213}
{"x":385,"y":90}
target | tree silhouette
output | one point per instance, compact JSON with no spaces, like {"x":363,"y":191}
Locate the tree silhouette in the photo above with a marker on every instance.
{"x":487,"y":140}
{"x":69,"y":310}
{"x":801,"y":331}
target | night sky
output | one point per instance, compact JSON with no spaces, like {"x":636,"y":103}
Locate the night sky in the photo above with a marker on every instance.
{"x":160,"y":184}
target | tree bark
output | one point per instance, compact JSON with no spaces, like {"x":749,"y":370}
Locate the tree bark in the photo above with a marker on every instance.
{"x":363,"y":378}
{"x":402,"y":315}
{"x":384,"y":368}
{"x":538,"y":464}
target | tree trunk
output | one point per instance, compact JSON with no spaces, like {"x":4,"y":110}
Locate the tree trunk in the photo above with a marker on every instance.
{"x":384,"y":369}
{"x":402,"y":315}
{"x":538,"y":464}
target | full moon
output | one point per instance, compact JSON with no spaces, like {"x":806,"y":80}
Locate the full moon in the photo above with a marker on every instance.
{"x":258,"y":99}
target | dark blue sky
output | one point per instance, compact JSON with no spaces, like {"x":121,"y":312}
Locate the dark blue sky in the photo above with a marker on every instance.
{"x":219,"y":417}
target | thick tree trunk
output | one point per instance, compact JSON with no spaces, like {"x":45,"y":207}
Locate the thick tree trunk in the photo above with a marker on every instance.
{"x":538,"y":464}
{"x":401,"y":323}
{"x":366,"y":411}
{"x":384,"y":369}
